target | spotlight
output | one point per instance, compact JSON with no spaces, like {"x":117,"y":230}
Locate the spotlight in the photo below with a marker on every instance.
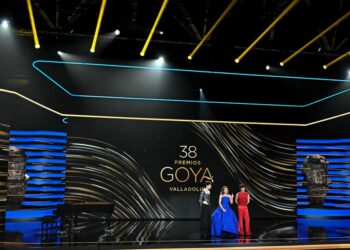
{"x":5,"y":24}
{"x":200,"y":90}
{"x":142,"y":54}
{"x":117,"y":32}
{"x":160,"y":59}
{"x":267,"y":67}
{"x":236,"y":60}
{"x":281,"y":64}
{"x":161,"y":32}
{"x":59,"y":52}
{"x":92,"y":50}
{"x":189,"y":57}
{"x":159,"y":62}
{"x":37,"y":46}
{"x":324,"y":66}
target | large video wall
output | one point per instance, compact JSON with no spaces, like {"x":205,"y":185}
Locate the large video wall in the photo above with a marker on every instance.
{"x":155,"y":169}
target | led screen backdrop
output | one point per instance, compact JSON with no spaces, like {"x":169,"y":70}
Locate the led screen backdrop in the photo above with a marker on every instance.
{"x":4,"y":144}
{"x":325,"y":192}
{"x":36,"y":173}
{"x":323,"y":202}
{"x":155,"y":169}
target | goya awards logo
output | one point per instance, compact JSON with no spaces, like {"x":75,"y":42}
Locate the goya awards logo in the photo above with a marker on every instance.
{"x":187,"y":172}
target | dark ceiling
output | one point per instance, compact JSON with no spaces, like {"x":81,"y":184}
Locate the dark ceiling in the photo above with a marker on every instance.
{"x":186,"y":21}
{"x":68,"y":25}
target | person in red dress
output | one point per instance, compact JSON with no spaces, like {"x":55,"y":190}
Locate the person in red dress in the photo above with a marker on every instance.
{"x":242,"y":200}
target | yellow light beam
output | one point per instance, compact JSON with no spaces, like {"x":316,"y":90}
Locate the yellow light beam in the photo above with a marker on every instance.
{"x":285,"y":12}
{"x":326,"y":66}
{"x":341,"y":19}
{"x":32,"y":23}
{"x":145,"y":46}
{"x":226,"y":11}
{"x":98,"y":26}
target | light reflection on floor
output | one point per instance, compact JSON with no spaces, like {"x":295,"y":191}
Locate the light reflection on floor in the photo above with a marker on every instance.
{"x":177,"y":233}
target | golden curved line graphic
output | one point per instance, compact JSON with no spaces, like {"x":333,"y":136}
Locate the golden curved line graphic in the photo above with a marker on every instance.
{"x":170,"y":119}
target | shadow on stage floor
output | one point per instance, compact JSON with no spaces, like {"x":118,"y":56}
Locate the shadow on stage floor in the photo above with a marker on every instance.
{"x":163,"y":234}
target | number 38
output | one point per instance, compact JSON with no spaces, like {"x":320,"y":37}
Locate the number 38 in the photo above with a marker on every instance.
{"x":188,"y":151}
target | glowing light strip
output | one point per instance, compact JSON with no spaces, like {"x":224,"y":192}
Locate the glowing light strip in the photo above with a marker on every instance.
{"x":32,"y":23}
{"x":44,"y":196}
{"x":187,"y":70}
{"x":28,"y":214}
{"x":41,"y":166}
{"x":37,"y":146}
{"x":142,"y":118}
{"x":341,"y":160}
{"x":334,"y":173}
{"x":37,"y":139}
{"x":329,"y":118}
{"x":339,"y":185}
{"x":37,"y":132}
{"x":323,"y":141}
{"x":322,"y":212}
{"x":285,"y":12}
{"x":98,"y":25}
{"x":30,"y":100}
{"x":341,"y":198}
{"x":330,"y":153}
{"x":327,"y":204}
{"x":45,"y":160}
{"x":316,"y":38}
{"x":41,"y":203}
{"x":51,"y":154}
{"x":223,"y":15}
{"x":45,"y":168}
{"x":190,"y":71}
{"x":45,"y":182}
{"x":344,"y":179}
{"x":329,"y":223}
{"x":326,"y":66}
{"x":339,"y":172}
{"x":332,"y":166}
{"x":48,"y":176}
{"x":145,"y":46}
{"x":312,"y":147}
{"x":182,"y":120}
{"x":169,"y":119}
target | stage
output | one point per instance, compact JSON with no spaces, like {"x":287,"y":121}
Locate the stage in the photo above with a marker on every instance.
{"x":267,"y":234}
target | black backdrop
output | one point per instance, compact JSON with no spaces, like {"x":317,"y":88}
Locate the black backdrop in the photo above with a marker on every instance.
{"x":144,"y":147}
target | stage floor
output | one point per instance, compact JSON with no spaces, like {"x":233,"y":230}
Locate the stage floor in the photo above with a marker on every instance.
{"x":266,"y":234}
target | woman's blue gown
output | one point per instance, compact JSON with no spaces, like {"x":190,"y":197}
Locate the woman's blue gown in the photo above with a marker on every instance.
{"x":224,"y":221}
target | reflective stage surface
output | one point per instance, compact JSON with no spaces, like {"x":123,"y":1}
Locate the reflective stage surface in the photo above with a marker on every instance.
{"x":181,"y":234}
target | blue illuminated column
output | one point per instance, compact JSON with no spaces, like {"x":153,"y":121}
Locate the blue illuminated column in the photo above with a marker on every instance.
{"x":45,"y":153}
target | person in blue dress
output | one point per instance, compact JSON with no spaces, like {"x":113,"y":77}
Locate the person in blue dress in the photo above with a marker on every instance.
{"x":224,"y":220}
